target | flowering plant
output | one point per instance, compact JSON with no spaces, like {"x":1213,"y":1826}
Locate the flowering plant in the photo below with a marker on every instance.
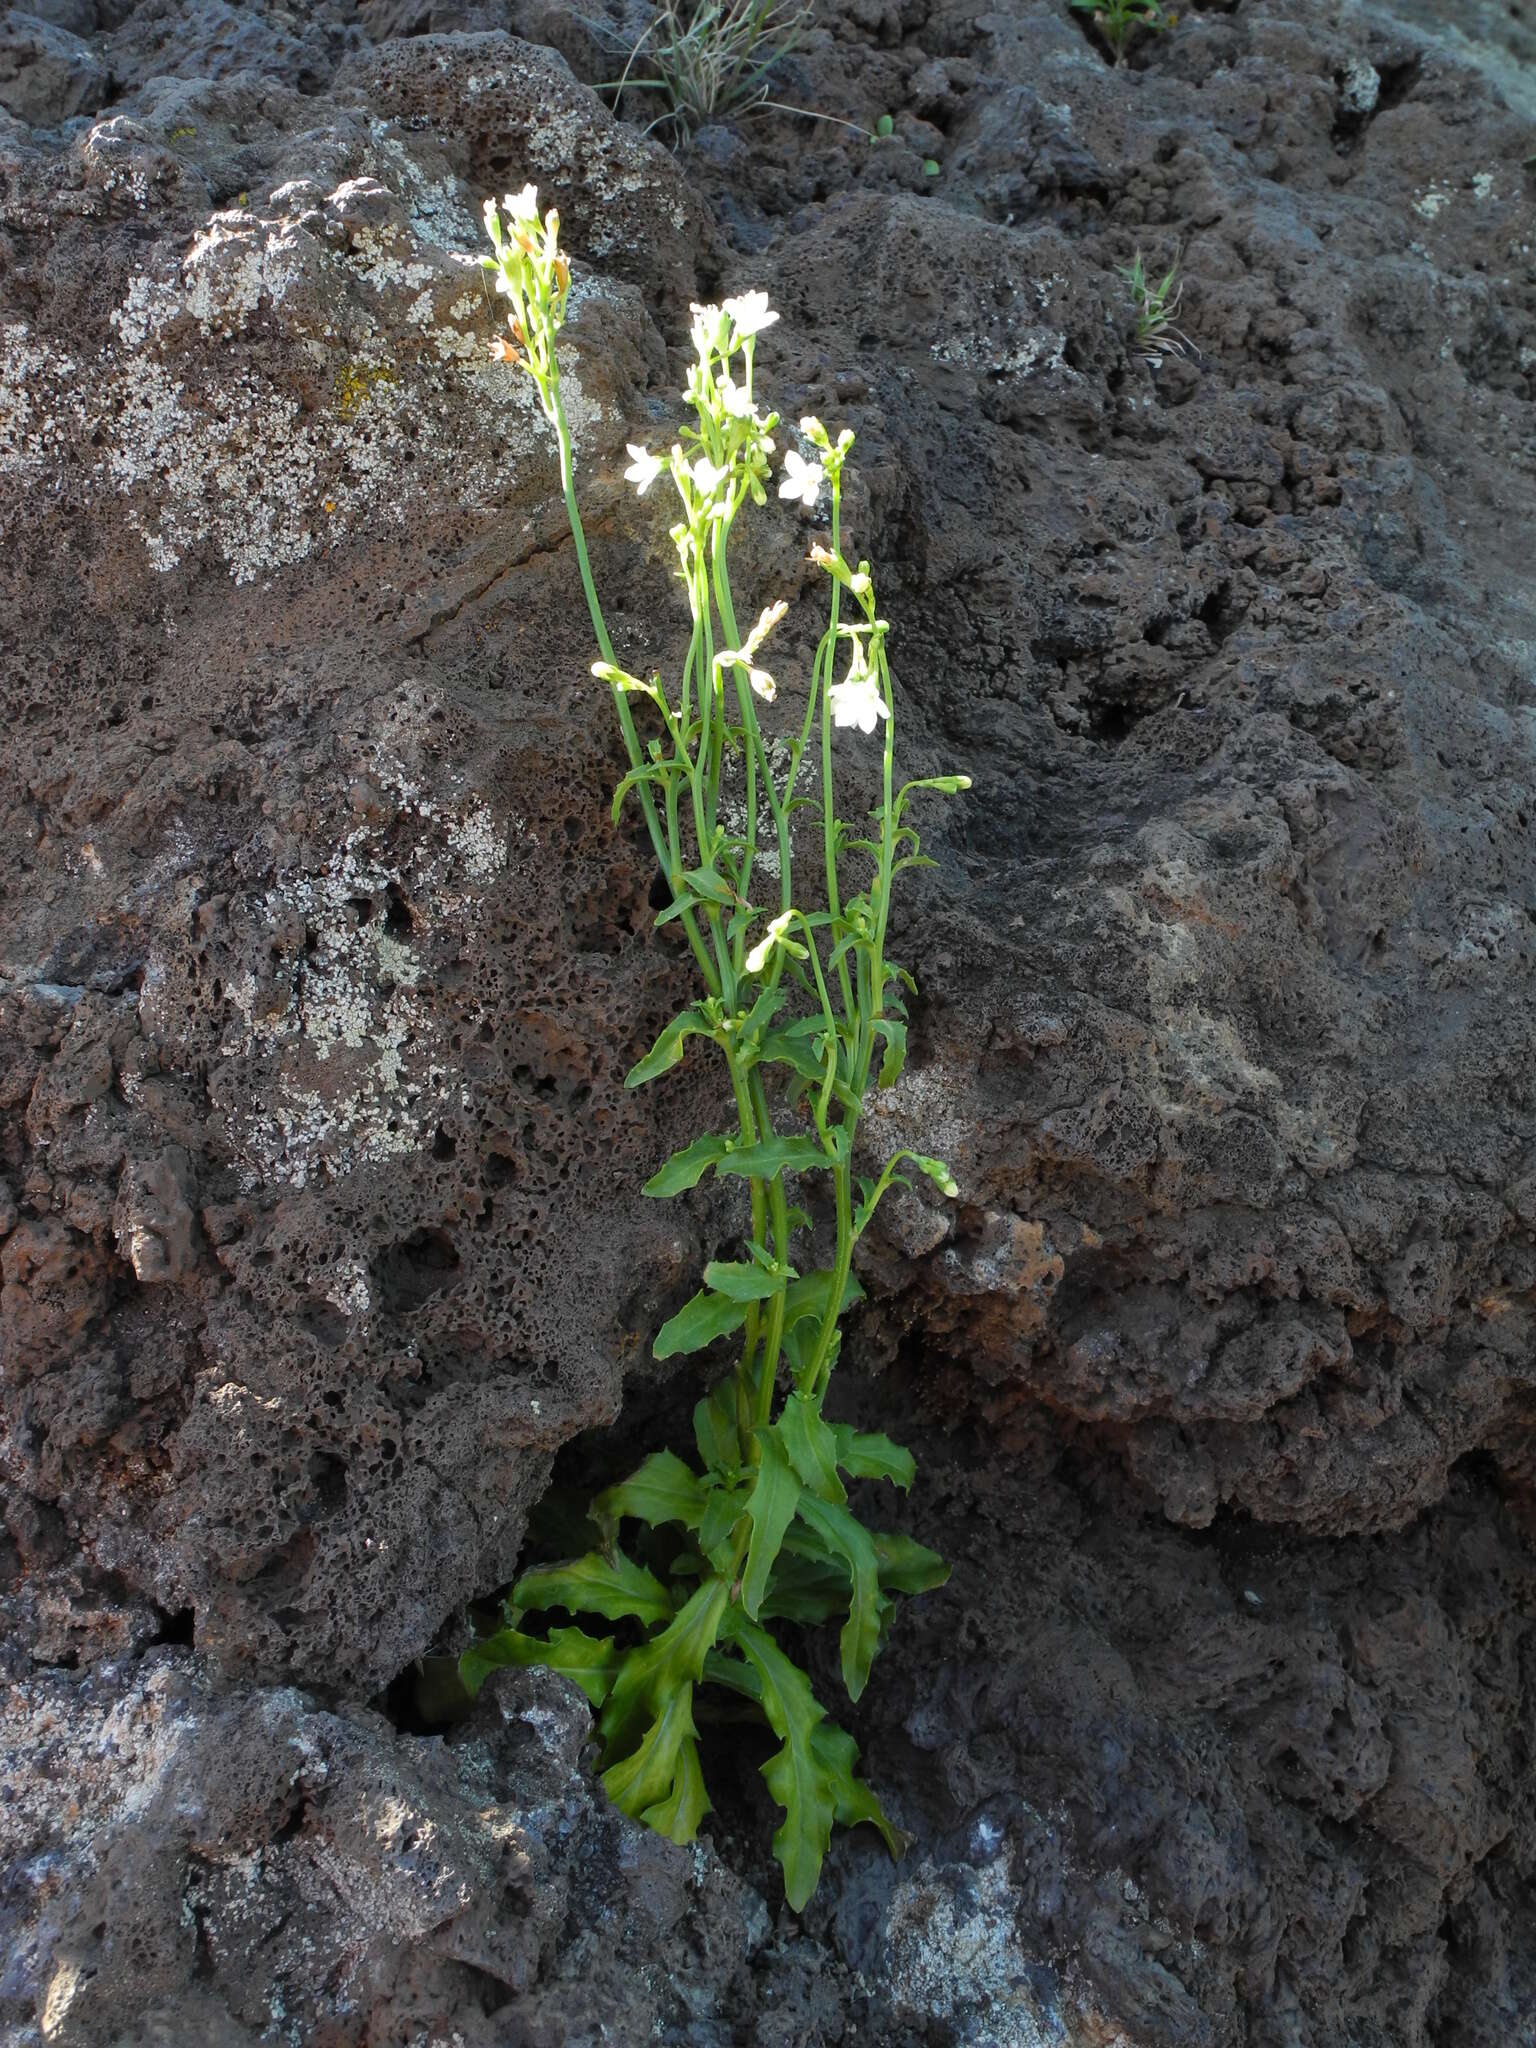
{"x":802,"y":999}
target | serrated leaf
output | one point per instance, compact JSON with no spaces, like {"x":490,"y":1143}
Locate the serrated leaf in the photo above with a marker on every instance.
{"x":614,"y":1587}
{"x":687,"y":1168}
{"x":660,"y":1782}
{"x":678,"y":1815}
{"x":905,"y":1566}
{"x":763,"y":1011}
{"x":739,"y":1282}
{"x":837,"y":1751}
{"x":590,"y":1661}
{"x":725,"y":1509}
{"x":659,"y":1491}
{"x":795,"y":1775}
{"x":698,"y":1323}
{"x":678,"y":907}
{"x":714,"y":1427}
{"x":873,"y":1457}
{"x":712,"y":887}
{"x":774,"y":1155}
{"x":720,"y":1668}
{"x":804,"y":1590}
{"x":811,"y":1447}
{"x":651,"y":1673}
{"x":808,"y":1296}
{"x":894,"y":1032}
{"x":668,"y":1049}
{"x":652,"y":772}
{"x":771,"y":1504}
{"x":848,"y":1540}
{"x":795,"y":1052}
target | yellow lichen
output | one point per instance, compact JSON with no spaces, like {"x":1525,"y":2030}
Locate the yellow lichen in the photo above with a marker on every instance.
{"x":354,"y":382}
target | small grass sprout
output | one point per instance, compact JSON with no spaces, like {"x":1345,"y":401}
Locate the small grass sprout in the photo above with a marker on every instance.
{"x":1155,"y":305}
{"x":1118,"y":20}
{"x":710,"y":60}
{"x":701,"y":1559}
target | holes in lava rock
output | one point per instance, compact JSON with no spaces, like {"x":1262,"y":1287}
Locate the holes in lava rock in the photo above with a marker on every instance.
{"x":399,"y":918}
{"x":407,"y":1275}
{"x":177,"y":1627}
{"x":1219,"y":614}
{"x":325,"y":1322}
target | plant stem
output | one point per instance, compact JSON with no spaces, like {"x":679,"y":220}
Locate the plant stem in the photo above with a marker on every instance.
{"x":555,"y":410}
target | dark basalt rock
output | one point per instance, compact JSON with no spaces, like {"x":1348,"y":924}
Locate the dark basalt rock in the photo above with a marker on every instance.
{"x":321,"y":967}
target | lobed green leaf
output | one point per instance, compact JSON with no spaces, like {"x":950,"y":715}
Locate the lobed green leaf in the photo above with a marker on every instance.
{"x":613,"y":1586}
{"x":660,"y":1782}
{"x":873,"y":1457}
{"x":771,"y":1504}
{"x":668,"y":1049}
{"x":908,"y":1567}
{"x":685,"y":1169}
{"x":590,"y":1661}
{"x":650,"y":1674}
{"x":894,"y":1032}
{"x":661,"y":1490}
{"x":847,"y":1540}
{"x":811,"y":1446}
{"x":838,"y":1753}
{"x":796,"y":1775}
{"x":698,"y":1323}
{"x":714,"y":1427}
{"x":774,"y":1155}
{"x":744,"y":1282}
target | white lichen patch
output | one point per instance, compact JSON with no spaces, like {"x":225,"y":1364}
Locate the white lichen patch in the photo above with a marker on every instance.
{"x":1432,"y":201}
{"x":1029,"y":355}
{"x":288,"y":379}
{"x":343,"y":1066}
{"x":1359,"y":87}
{"x":955,"y":1956}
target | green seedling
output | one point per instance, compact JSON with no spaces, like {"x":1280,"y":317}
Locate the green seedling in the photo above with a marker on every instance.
{"x":702,"y":1557}
{"x":712,"y":60}
{"x":1118,"y":20}
{"x":1155,"y":305}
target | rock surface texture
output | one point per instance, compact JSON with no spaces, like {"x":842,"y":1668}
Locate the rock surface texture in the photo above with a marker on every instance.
{"x":321,"y":967}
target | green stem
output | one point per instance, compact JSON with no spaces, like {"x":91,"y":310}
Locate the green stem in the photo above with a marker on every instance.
{"x":555,"y":411}
{"x":809,"y":1380}
{"x":773,"y":1338}
{"x":828,"y":811}
{"x":746,"y":1385}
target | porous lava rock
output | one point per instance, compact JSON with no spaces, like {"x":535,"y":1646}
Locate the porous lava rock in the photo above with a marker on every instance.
{"x":321,"y":967}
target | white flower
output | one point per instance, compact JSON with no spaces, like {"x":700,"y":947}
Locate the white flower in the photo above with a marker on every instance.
{"x":731,"y":657}
{"x":736,"y":399}
{"x":644,"y":469}
{"x":706,"y":329}
{"x":856,"y":700}
{"x":707,"y":476}
{"x":751,"y":313}
{"x":802,"y":479}
{"x":524,"y":206}
{"x":759,"y":956}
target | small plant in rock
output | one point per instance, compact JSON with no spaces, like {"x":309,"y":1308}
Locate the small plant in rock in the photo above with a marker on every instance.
{"x":1155,"y":304}
{"x":804,"y":1007}
{"x":710,"y":60}
{"x":1118,"y":20}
